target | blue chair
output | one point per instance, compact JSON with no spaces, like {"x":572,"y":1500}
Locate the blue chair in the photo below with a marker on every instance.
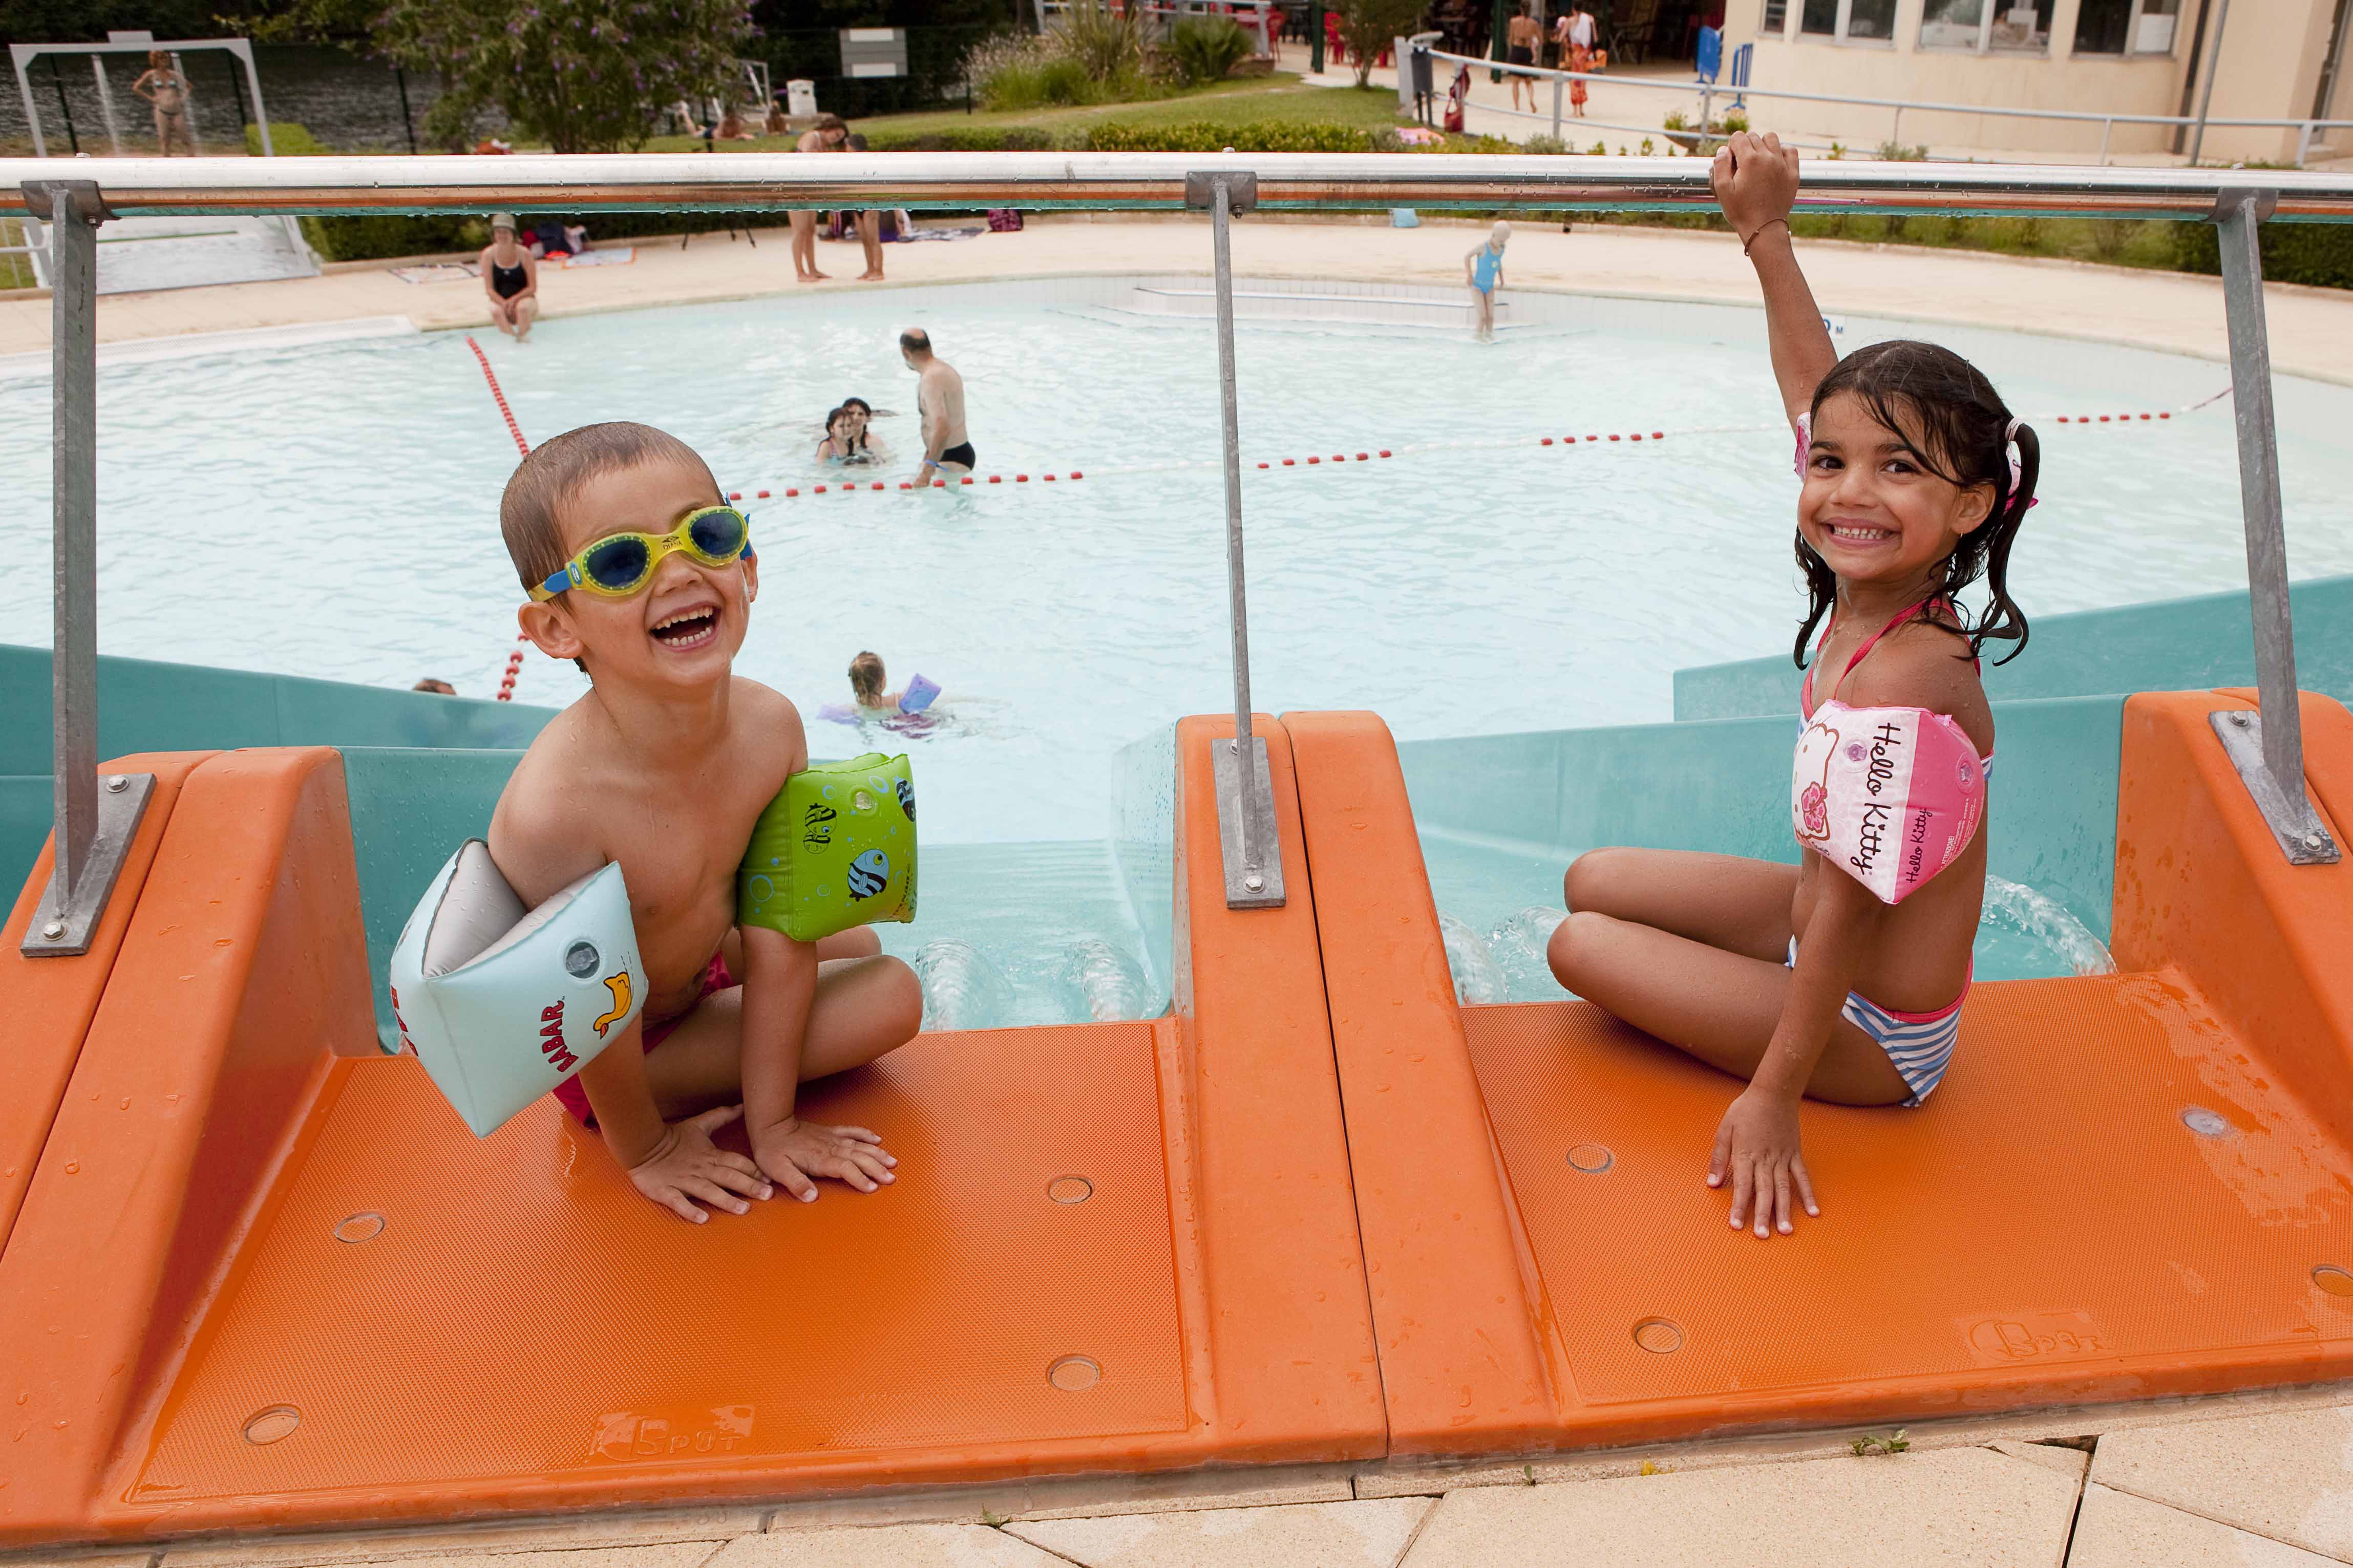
{"x":1741,"y":58}
{"x":1711,"y":54}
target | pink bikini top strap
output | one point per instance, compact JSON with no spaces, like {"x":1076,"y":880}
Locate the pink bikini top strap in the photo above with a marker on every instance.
{"x":1806,"y":691}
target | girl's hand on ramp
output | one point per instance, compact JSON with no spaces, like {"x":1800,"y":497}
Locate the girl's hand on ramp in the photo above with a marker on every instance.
{"x":686,"y":1166}
{"x":1756,"y":1145}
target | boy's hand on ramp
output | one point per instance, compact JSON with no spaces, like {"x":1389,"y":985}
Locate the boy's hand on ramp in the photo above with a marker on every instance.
{"x":686,"y":1166}
{"x":793,"y":1150}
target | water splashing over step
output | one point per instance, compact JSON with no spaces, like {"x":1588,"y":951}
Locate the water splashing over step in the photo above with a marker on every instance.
{"x":1099,"y":982}
{"x":961,"y":989}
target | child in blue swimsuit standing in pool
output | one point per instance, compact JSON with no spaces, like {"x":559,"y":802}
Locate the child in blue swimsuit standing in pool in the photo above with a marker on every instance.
{"x":1804,"y":979}
{"x":1484,"y":269}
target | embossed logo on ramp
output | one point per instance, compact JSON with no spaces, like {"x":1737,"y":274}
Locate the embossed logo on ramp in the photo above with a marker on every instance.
{"x":632,"y":1434}
{"x":2007,"y":1339}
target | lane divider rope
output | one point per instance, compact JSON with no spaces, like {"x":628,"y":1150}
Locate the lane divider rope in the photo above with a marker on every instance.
{"x":515,"y":660}
{"x":846,"y":487}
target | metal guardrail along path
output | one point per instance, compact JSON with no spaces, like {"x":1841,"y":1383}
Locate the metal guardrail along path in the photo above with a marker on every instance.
{"x":93,"y":823}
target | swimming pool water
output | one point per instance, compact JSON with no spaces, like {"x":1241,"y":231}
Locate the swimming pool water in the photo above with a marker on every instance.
{"x":331,"y":512}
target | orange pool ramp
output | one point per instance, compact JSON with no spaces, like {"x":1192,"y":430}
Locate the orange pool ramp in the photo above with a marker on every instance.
{"x":2128,"y":1185}
{"x":263,"y":1276}
{"x":50,"y":1001}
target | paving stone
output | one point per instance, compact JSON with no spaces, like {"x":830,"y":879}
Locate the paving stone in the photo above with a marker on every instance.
{"x":886,"y":1546}
{"x":97,"y":1557}
{"x":2118,"y":1529}
{"x":643,"y":1527}
{"x":2289,"y":1477}
{"x":1311,"y":1535}
{"x":1097,"y":1497}
{"x":1959,"y":1508}
{"x":671,"y":1554}
{"x":2068,"y":1462}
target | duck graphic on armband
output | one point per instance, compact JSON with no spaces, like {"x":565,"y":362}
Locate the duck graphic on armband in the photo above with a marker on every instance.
{"x":618,"y":984}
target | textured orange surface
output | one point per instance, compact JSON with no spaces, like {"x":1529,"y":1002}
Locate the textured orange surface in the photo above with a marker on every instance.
{"x":2045,"y":1229}
{"x":50,"y":1000}
{"x":2202,"y":886}
{"x":519,"y":1312}
{"x":264,"y":1277}
{"x":1463,"y":1358}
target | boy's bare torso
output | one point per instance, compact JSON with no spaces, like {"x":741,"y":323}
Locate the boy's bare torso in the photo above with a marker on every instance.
{"x":677,"y":824}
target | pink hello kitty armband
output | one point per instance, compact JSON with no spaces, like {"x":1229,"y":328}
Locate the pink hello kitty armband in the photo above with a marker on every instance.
{"x":1889,"y":795}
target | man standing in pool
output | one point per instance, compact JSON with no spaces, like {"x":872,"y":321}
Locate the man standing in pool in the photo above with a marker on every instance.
{"x":939,"y":403}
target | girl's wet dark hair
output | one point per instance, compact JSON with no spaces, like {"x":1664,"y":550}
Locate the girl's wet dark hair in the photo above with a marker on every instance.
{"x":1954,"y":425}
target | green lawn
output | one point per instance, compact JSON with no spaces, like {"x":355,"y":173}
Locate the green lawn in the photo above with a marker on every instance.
{"x":1278,"y":97}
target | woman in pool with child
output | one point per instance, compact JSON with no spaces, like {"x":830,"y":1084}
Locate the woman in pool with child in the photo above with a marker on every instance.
{"x":1841,"y":977}
{"x":848,"y":439}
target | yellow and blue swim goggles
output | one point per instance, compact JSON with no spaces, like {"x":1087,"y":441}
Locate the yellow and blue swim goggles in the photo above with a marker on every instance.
{"x":620,"y":564}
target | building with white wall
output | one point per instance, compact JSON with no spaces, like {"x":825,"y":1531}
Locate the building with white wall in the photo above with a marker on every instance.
{"x":2275,"y":59}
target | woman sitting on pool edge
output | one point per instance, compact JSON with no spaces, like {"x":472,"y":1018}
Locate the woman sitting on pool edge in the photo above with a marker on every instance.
{"x":511,"y":278}
{"x":1841,"y":977}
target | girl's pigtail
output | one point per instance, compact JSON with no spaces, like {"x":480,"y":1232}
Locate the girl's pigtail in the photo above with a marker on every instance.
{"x":2003,"y":621}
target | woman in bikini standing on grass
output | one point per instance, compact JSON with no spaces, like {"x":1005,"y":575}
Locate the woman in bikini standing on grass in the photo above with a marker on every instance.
{"x":167,"y":90}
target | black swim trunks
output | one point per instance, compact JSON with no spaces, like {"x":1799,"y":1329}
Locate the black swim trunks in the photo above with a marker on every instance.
{"x":961,"y":453}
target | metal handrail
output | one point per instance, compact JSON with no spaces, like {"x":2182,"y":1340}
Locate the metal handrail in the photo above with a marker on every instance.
{"x":1287,"y":182}
{"x":93,"y":826}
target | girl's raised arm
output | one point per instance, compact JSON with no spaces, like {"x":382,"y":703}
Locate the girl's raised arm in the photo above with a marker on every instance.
{"x":1756,"y":182}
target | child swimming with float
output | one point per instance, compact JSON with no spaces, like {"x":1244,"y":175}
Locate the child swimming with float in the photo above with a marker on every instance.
{"x":637,"y":569}
{"x":902,"y":711}
{"x":1841,"y":977}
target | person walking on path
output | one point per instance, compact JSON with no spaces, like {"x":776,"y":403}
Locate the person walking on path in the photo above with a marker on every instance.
{"x":1526,"y":33}
{"x":167,"y":90}
{"x":511,"y":278}
{"x":1575,"y":33}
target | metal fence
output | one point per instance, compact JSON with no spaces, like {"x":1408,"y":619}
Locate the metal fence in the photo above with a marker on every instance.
{"x":94,"y":822}
{"x":1707,"y":92}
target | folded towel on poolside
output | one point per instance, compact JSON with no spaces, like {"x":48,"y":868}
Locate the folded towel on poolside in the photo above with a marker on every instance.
{"x":945,"y":234}
{"x":436,"y":272}
{"x":612,"y":256}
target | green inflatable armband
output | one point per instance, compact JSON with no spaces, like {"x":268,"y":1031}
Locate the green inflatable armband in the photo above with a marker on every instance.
{"x":835,"y":849}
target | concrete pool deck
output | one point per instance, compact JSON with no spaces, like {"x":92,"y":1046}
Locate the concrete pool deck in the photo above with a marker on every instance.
{"x":2311,"y":329}
{"x":2261,"y":1480}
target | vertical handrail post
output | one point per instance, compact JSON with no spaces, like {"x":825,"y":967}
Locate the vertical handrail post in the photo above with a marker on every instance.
{"x":2108,"y":128}
{"x":1253,"y":861}
{"x":73,"y":660}
{"x":90,"y":827}
{"x":1555,"y":108}
{"x":2269,"y":754}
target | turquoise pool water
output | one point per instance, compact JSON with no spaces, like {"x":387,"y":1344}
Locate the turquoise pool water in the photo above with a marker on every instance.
{"x":331,"y":512}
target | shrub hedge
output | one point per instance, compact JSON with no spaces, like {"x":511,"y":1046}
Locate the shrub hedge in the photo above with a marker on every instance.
{"x":2316,"y":253}
{"x":2319,"y":254}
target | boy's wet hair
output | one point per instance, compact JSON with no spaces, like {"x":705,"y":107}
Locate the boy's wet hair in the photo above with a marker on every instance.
{"x":1954,"y":425}
{"x":553,"y":473}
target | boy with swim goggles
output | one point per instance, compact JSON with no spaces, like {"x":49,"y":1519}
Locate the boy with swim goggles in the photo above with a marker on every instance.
{"x":636,"y":570}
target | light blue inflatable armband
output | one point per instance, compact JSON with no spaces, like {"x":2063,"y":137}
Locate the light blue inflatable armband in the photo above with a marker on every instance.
{"x":835,"y":849}
{"x":921,"y":694}
{"x":502,"y":1004}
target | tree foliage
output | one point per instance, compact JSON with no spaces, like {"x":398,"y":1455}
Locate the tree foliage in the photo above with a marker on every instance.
{"x":1369,"y":26}
{"x":587,"y":76}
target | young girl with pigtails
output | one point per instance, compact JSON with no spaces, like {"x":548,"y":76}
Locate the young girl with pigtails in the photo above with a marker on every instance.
{"x":1841,"y":977}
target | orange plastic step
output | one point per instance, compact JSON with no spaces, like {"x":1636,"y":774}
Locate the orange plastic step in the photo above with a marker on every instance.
{"x":260,"y":1283}
{"x":2057,"y":1224}
{"x":50,"y":1000}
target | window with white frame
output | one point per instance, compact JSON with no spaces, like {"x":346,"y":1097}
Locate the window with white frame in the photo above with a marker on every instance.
{"x":1981,"y":26}
{"x":2127,"y":27}
{"x":1776,"y":18}
{"x":1848,"y":21}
